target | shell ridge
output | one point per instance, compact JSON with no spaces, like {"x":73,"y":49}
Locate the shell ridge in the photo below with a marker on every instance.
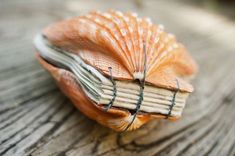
{"x":132,"y":28}
{"x":144,"y":42}
{"x":122,"y":27}
{"x":157,"y":50}
{"x":117,"y":38}
{"x":151,"y":49}
{"x":127,"y":36}
{"x":116,"y":50}
{"x":140,"y":32}
{"x":166,"y":51}
{"x":137,"y":42}
{"x":130,"y":43}
{"x":110,"y":29}
{"x":152,"y":53}
{"x":148,"y":40}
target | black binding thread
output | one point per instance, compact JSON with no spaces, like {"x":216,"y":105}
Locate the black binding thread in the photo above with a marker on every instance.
{"x":173,"y":99}
{"x":141,"y":95}
{"x":114,"y":90}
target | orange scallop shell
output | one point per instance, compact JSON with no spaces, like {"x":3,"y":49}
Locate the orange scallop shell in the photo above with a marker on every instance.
{"x":117,"y":40}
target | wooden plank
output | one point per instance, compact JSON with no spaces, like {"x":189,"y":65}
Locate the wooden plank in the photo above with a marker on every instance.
{"x":36,"y":119}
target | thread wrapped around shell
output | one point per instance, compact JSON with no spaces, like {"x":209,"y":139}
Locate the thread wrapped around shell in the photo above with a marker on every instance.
{"x":134,"y":48}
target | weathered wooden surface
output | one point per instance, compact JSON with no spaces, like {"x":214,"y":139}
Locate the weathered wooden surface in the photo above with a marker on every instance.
{"x":36,"y":119}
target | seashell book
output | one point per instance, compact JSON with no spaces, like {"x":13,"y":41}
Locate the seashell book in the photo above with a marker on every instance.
{"x":117,"y":68}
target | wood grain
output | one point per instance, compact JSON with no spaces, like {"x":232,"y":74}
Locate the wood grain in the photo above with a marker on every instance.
{"x":37,"y":119}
